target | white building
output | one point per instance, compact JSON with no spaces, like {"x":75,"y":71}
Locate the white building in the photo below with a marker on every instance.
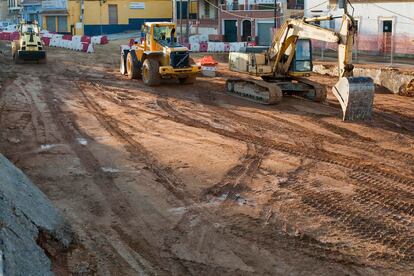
{"x":383,"y":25}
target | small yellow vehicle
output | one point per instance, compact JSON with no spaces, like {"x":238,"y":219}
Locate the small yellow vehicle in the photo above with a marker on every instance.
{"x":29,"y":47}
{"x":159,"y":56}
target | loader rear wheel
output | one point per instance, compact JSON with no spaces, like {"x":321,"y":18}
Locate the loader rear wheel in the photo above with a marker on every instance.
{"x":17,"y":59}
{"x":187,"y":80}
{"x":150,"y":72}
{"x":133,"y":70}
{"x":43,"y":60}
{"x":122,"y":67}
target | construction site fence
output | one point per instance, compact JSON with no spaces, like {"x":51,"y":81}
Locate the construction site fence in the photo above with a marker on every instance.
{"x":72,"y":42}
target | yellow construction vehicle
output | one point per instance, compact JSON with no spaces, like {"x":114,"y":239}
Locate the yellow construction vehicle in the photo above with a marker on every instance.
{"x":29,"y":46}
{"x":283,"y":66}
{"x":158,"y":56}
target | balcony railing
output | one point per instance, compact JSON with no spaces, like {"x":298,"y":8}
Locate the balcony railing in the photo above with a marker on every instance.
{"x":253,"y":7}
{"x":208,"y":21}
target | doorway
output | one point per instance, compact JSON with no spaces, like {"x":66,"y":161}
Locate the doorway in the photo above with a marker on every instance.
{"x":230,"y":30}
{"x":386,"y":44}
{"x":247,"y":30}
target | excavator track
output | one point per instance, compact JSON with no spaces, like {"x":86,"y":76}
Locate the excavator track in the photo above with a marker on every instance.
{"x":254,"y":90}
{"x":271,"y":91}
{"x":318,"y":93}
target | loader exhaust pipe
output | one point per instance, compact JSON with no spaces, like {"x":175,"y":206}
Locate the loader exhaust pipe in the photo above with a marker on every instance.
{"x":356,"y":96}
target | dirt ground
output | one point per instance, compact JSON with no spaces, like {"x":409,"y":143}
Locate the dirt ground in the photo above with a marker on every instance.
{"x":186,"y":180}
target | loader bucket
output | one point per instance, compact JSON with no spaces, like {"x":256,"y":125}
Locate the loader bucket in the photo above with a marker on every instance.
{"x":356,"y":96}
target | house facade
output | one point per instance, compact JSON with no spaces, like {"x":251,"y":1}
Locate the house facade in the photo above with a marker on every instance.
{"x":4,"y":12}
{"x":383,"y":26}
{"x":240,"y":20}
{"x":14,"y":9}
{"x":96,"y":17}
{"x":31,"y":10}
{"x":236,"y":20}
{"x":114,"y":16}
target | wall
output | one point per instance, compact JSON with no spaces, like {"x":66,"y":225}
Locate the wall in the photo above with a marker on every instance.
{"x":74,"y":12}
{"x":3,"y":10}
{"x":96,"y":17}
{"x":212,"y":12}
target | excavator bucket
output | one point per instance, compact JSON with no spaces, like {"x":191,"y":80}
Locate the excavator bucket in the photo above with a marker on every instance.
{"x":356,"y":96}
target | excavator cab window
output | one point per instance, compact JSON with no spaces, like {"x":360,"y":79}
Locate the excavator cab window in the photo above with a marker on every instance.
{"x":303,"y":56}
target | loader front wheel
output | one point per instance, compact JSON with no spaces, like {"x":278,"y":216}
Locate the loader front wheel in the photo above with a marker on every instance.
{"x":150,"y":72}
{"x":133,"y":70}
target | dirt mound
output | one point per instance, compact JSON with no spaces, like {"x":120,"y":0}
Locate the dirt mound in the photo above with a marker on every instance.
{"x":407,"y":90}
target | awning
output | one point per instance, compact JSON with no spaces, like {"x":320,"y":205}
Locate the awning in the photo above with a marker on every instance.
{"x":54,"y":12}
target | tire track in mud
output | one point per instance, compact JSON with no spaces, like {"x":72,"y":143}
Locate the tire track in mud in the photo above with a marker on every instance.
{"x":358,"y":217}
{"x":237,"y":178}
{"x":118,"y":203}
{"x":348,"y":136}
{"x":207,"y":98}
{"x":165,"y":174}
{"x":310,"y":198}
{"x":311,"y":153}
{"x":326,"y":207}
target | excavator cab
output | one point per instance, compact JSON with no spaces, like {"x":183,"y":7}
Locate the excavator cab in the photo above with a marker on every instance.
{"x":302,"y":61}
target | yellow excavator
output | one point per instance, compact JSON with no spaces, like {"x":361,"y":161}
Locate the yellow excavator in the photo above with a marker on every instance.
{"x":285,"y":64}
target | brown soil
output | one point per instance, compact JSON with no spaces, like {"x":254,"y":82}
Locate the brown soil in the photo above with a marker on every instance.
{"x":186,"y":180}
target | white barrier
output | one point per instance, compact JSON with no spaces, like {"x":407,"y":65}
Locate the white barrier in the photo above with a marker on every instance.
{"x":197,"y":39}
{"x":195,"y":47}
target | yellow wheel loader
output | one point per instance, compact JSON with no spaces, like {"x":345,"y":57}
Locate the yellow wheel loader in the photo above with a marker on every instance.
{"x":29,"y":47}
{"x":283,"y":66}
{"x":159,"y":56}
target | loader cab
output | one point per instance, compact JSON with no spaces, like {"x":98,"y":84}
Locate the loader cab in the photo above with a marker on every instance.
{"x":159,"y":35}
{"x":302,"y":61}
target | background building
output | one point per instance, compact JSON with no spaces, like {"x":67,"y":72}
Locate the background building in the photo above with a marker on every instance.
{"x":240,"y":19}
{"x":14,"y":8}
{"x":383,"y":26}
{"x":31,"y":10}
{"x":113,"y":16}
{"x":236,"y":20}
{"x":4,"y":12}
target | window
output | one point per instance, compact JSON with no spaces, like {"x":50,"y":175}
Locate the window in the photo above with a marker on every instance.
{"x":30,"y":28}
{"x":62,"y":24}
{"x":332,"y":24}
{"x":387,"y":26}
{"x":51,"y":23}
{"x":206,"y":9}
{"x":303,"y":56}
{"x":113,"y":14}
{"x":356,"y":26}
